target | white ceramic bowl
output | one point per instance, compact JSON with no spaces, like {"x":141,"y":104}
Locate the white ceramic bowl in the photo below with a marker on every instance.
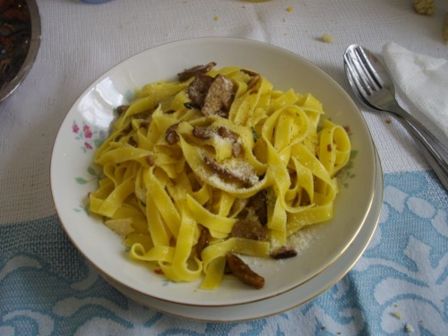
{"x":72,"y":176}
{"x":288,"y":300}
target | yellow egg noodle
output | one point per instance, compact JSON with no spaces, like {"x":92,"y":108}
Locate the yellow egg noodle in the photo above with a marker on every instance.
{"x":159,"y":194}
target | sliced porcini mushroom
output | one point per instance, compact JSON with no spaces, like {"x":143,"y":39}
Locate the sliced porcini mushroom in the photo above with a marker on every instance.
{"x":196,"y":70}
{"x":198,"y":89}
{"x":219,"y":97}
{"x":203,"y":133}
{"x":132,"y":142}
{"x":243,"y":272}
{"x":283,"y":252}
{"x":242,"y":177}
{"x":254,"y":80}
{"x":203,"y":241}
{"x":150,"y":160}
{"x":250,"y":72}
{"x":249,"y":228}
{"x":171,"y":135}
{"x":225,"y":133}
{"x":121,"y":109}
{"x":258,"y":204}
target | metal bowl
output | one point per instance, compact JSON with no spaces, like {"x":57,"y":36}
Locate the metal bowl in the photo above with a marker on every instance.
{"x":20,"y":32}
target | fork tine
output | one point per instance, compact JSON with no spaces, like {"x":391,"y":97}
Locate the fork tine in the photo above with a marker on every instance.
{"x":363,"y":87}
{"x":367,"y":65}
{"x":357,"y":89}
{"x":362,"y":72}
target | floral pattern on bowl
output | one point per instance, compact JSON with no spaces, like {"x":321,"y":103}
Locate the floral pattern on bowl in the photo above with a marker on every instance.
{"x":89,"y":137}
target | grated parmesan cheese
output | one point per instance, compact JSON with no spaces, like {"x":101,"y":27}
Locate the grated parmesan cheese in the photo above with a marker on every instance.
{"x":242,"y":169}
{"x":302,"y":239}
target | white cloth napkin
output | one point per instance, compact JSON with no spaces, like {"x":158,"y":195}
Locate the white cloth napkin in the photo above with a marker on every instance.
{"x":422,"y":85}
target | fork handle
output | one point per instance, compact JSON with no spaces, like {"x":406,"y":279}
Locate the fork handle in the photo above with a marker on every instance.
{"x":435,"y":153}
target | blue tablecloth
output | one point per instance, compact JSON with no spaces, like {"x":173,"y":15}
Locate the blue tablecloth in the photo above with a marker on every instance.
{"x":399,"y":286}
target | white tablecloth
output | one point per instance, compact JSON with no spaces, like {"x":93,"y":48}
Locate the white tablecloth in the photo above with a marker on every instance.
{"x":81,"y":41}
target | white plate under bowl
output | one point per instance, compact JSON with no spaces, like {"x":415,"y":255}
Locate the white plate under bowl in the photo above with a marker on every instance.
{"x":280,"y":303}
{"x":90,"y":117}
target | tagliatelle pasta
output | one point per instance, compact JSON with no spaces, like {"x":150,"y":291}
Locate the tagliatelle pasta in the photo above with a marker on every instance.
{"x":218,"y":162}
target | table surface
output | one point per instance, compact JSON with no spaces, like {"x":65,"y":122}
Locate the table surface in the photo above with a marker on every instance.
{"x":399,"y":286}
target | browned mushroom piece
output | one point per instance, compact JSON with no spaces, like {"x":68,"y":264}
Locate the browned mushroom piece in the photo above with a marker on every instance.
{"x":196,"y":70}
{"x":203,"y":241}
{"x":237,"y":148}
{"x":249,"y":228}
{"x":253,"y":82}
{"x":121,"y":109}
{"x":219,"y":97}
{"x":171,"y":135}
{"x":250,"y":72}
{"x":222,"y":172}
{"x":198,"y":88}
{"x":132,"y":142}
{"x":227,"y":269}
{"x":202,"y":132}
{"x":224,"y":132}
{"x":150,"y":160}
{"x":283,"y":252}
{"x":258,"y":203}
{"x":243,"y":272}
{"x":146,"y":122}
{"x":227,"y":174}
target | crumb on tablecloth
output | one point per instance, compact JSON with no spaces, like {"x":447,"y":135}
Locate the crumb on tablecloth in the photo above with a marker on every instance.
{"x":427,"y":7}
{"x":326,"y":38}
{"x":424,"y":7}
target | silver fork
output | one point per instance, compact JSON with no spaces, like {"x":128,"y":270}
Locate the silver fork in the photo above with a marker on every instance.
{"x":373,"y":85}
